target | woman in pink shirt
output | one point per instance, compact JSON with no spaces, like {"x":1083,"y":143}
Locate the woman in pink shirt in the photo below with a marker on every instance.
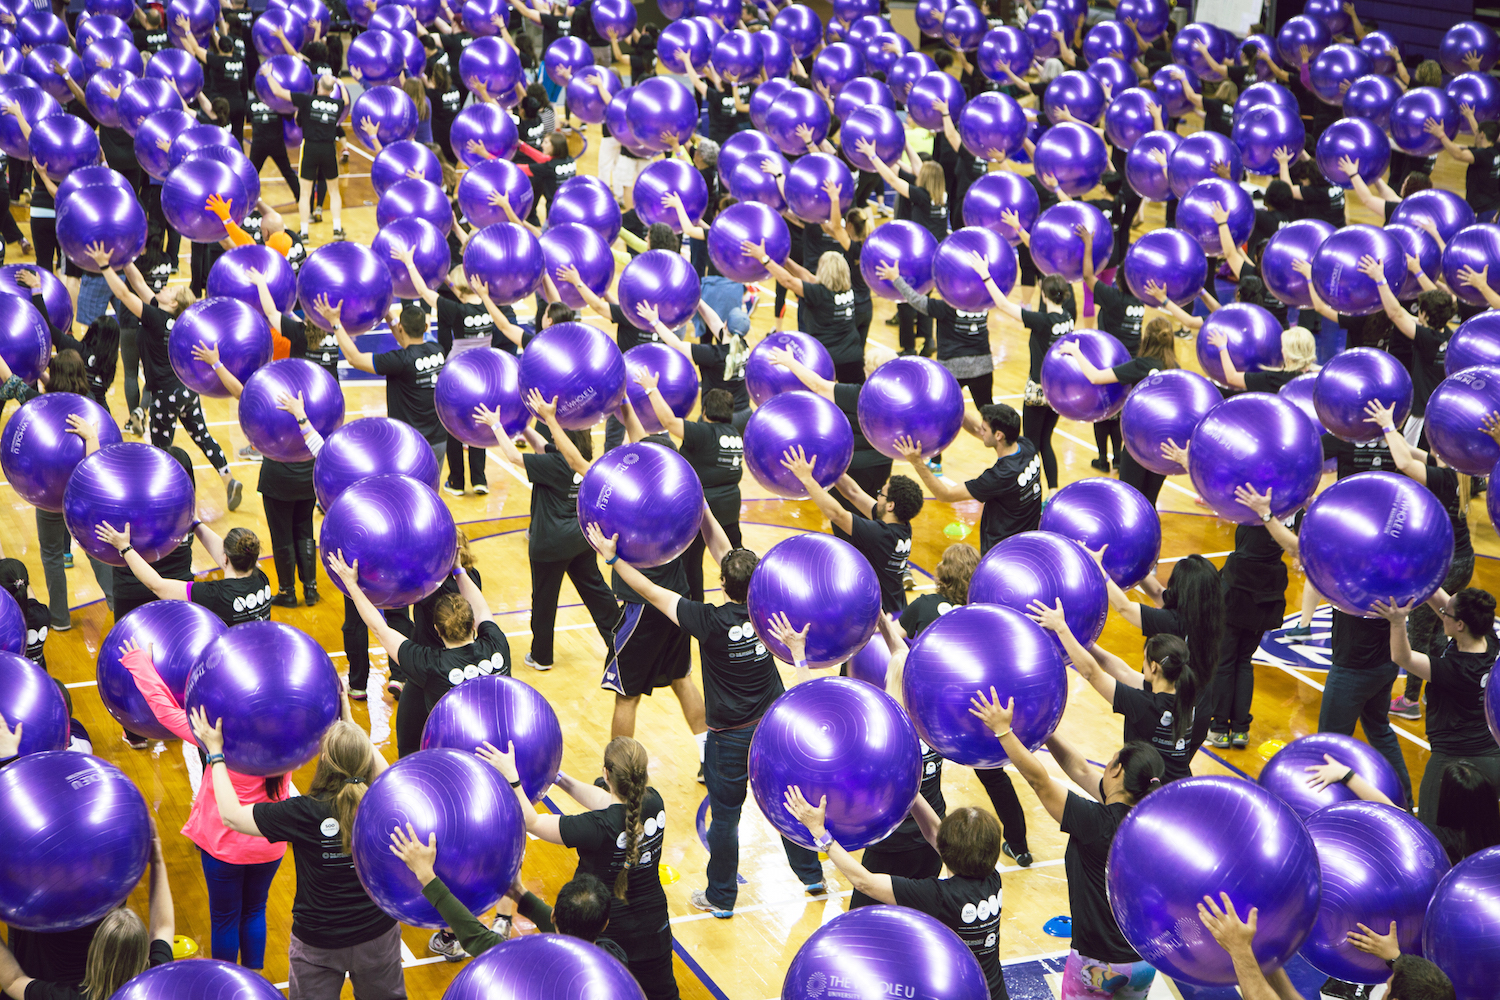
{"x":238,"y":868}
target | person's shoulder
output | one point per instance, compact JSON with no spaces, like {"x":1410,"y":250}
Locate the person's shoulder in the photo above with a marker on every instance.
{"x":161,"y":952}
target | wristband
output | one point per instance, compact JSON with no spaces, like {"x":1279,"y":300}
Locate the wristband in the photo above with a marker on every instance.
{"x":458,"y":571}
{"x":612,"y":559}
{"x":217,"y":365}
{"x":194,"y":526}
{"x":1387,"y":430}
{"x":216,"y":758}
{"x":650,"y":390}
{"x":516,"y":783}
{"x":1347,"y":778}
{"x":1001,"y":736}
{"x":801,"y":663}
{"x":126,"y":549}
{"x":824,"y":842}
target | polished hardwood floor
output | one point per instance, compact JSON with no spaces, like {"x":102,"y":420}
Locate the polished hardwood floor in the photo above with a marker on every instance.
{"x":744,"y":958}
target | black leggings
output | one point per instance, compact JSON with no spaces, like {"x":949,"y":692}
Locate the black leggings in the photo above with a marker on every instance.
{"x":981,"y":390}
{"x":913,"y":325}
{"x":456,"y":464}
{"x":849,"y":372}
{"x":1007,"y":806}
{"x":1133,"y":473}
{"x":1038,"y":423}
{"x":183,"y":404}
{"x":357,"y":643}
{"x":1234,"y":681}
{"x":291,"y":527}
{"x":44,"y":238}
{"x":263,"y":147}
{"x":130,"y":358}
{"x":1105,"y":433}
{"x":9,"y":231}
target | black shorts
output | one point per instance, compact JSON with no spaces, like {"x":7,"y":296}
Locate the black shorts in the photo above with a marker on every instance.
{"x":648,"y":652}
{"x":319,"y":158}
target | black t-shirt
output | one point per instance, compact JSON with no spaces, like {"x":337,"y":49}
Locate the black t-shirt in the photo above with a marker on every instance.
{"x":38,"y":624}
{"x":331,"y":909}
{"x":908,"y":836}
{"x":1429,"y":358}
{"x":118,"y":148}
{"x":669,"y":576}
{"x":555,"y":26}
{"x":1254,"y":579}
{"x":886,"y":547}
{"x":411,"y":375}
{"x":828,"y":318}
{"x":724,"y":119}
{"x":1011,"y":491}
{"x":1323,"y":201}
{"x":318,"y":116}
{"x":423,"y":630}
{"x":175,"y":565}
{"x":446,"y":104}
{"x":1045,"y":330}
{"x":922,"y":612}
{"x":151,"y":40}
{"x":1455,"y":702}
{"x":846,"y":398}
{"x":1482,"y":179}
{"x":458,"y":320}
{"x":716,"y":452}
{"x":555,"y":535}
{"x":286,"y":480}
{"x":1271,"y":381}
{"x":599,"y":838}
{"x":933,"y":218}
{"x":545,"y":177}
{"x":156,"y":363}
{"x":970,"y":907}
{"x":1136,"y":370}
{"x":226,"y":77}
{"x":1354,"y":457}
{"x":1151,"y":717}
{"x":160,"y":954}
{"x":265,"y":123}
{"x":1443,"y":483}
{"x":53,"y":956}
{"x":324,"y":354}
{"x":1091,"y":828}
{"x":627,"y":334}
{"x":960,"y":333}
{"x":1360,"y":643}
{"x":235,"y":601}
{"x":721,"y":365}
{"x":739,"y":675}
{"x":1120,"y":314}
{"x":438,"y":671}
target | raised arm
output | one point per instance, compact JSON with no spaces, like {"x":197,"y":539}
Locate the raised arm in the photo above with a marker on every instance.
{"x":547,"y":410}
{"x":233,"y":813}
{"x":1401,"y":652}
{"x":1218,"y":340}
{"x":1261,"y":504}
{"x":876,"y":886}
{"x":1088,"y":668}
{"x":673,"y":424}
{"x":659,"y":597}
{"x":795,"y":461}
{"x":809,"y":378}
{"x":361,"y":360}
{"x":1237,"y":937}
{"x":1399,"y":317}
{"x":166,"y":590}
{"x":1052,"y":793}
{"x":389,"y":639}
{"x":792,"y":283}
{"x":943,"y":489}
{"x":887,"y":173}
{"x":1304,"y":268}
{"x":544,"y":826}
{"x":210,"y":356}
{"x":408,"y":256}
{"x":1097,"y":376}
{"x":118,"y":287}
{"x":469,"y":591}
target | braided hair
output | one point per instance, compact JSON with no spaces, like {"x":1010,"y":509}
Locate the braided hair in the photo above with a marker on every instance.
{"x":625,"y":767}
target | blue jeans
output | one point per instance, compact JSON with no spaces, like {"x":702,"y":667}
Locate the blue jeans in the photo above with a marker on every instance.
{"x":237,"y":906}
{"x":726,"y":772}
{"x":1330,"y":339}
{"x":1365,"y":695}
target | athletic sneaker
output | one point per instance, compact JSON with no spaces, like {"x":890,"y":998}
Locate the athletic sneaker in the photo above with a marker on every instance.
{"x":1299,"y":631}
{"x":935,"y":466}
{"x":136,"y":742}
{"x":907,"y":583}
{"x":815,"y":888}
{"x":359,"y":695}
{"x":481,"y":489}
{"x":448,"y":487}
{"x":67,"y":560}
{"x":1404,"y":708}
{"x":699,"y":898}
{"x":393,"y":688}
{"x":445,"y":943}
{"x":137,"y":423}
{"x":250,"y":453}
{"x":1240,"y":740}
{"x":701,"y":780}
{"x":236,"y":492}
{"x":1218,"y":740}
{"x":535,"y":665}
{"x":1023,"y":859}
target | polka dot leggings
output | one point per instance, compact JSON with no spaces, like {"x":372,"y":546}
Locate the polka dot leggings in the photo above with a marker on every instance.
{"x":183,"y":404}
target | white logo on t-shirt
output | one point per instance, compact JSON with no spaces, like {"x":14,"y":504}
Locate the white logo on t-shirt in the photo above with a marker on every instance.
{"x":329,"y":827}
{"x":969,"y":913}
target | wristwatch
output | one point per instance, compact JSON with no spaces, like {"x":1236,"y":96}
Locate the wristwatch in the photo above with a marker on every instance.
{"x":821,"y":843}
{"x":1266,"y":518}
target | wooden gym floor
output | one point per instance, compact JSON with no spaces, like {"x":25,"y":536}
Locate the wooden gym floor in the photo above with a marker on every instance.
{"x":744,"y":958}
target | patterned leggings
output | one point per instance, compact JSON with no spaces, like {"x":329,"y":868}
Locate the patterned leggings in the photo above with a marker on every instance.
{"x":183,"y":404}
{"x":1091,"y":979}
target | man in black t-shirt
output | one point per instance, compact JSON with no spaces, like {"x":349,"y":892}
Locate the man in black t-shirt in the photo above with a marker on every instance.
{"x":411,"y":371}
{"x":318,"y":116}
{"x":150,"y":35}
{"x":1011,"y":489}
{"x":740,"y":682}
{"x":882,"y":532}
{"x":268,"y":141}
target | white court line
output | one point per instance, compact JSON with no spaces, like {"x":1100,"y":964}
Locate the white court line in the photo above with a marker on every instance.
{"x":1410,"y":737}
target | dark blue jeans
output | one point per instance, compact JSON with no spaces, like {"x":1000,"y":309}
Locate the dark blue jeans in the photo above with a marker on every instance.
{"x":726,"y":772}
{"x":237,"y":907}
{"x":1365,"y":695}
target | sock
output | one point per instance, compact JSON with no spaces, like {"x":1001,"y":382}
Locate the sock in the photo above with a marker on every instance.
{"x":702,"y":739}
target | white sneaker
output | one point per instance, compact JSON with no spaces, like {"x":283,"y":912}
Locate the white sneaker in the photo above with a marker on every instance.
{"x":535,"y":665}
{"x":445,"y":943}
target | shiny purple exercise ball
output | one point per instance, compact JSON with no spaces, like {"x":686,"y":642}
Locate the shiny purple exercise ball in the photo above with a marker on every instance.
{"x":1259,"y":439}
{"x":1166,"y":407}
{"x":176,"y":633}
{"x":37,"y":451}
{"x":821,"y":581}
{"x":135,"y":484}
{"x":398,"y":530}
{"x":275,"y":432}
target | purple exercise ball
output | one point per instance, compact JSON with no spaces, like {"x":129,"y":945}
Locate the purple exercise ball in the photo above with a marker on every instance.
{"x":927,"y":91}
{"x":804,"y":186}
{"x":1296,"y":241}
{"x":160,"y":127}
{"x":992,"y":126}
{"x":199,"y":979}
{"x":189,"y":186}
{"x":1285,"y":774}
{"x":62,"y":144}
{"x":1298,"y":32}
{"x":492,"y":63}
{"x":101,"y":213}
{"x":795,"y":107}
{"x":1475,"y":342}
{"x":104,"y":108}
{"x":911,"y":397}
{"x":1198,"y":837}
{"x":589,"y":94}
{"x":1351,"y":380}
{"x":398,"y":160}
{"x":238,"y":331}
{"x":1055,"y":246}
{"x":481,"y":183}
{"x":498,"y":709}
{"x":1128,"y":117}
{"x":1165,"y":407}
{"x":1259,"y":439}
{"x":677,"y":385}
{"x":1263,"y":129}
{"x":907,"y":245}
{"x":646,"y":494}
{"x":398,"y":530}
{"x":534,"y":965}
{"x":1254,"y":340}
{"x":671,"y":176}
{"x":580,"y":367}
{"x":1409,"y":116}
{"x":964,"y":27}
{"x":1401,"y":558}
{"x":843,"y":740}
{"x":579,"y":247}
{"x":371,"y":446}
{"x":878,"y":126}
{"x":663,"y":279}
{"x":507,"y":257}
{"x":588,"y":202}
{"x":488,"y":125}
{"x":1445,"y":210}
{"x":1065,"y":387}
{"x":348,"y":274}
{"x":1144,"y":172}
{"x":275,"y":432}
{"x":801,"y":27}
{"x":764,"y":379}
{"x":1171,"y":89}
{"x":1194,"y":159}
{"x":1455,"y":412}
{"x":974,"y":648}
{"x":836,"y":66}
{"x":954,"y":275}
{"x":747,"y":221}
{"x":1100,"y":511}
{"x":894,"y":944}
{"x":1469,"y":38}
{"x":1460,"y":937}
{"x":1335,"y":69}
{"x":994,"y":194}
{"x":80,"y":845}
{"x":818,"y":580}
{"x":1476,"y":247}
{"x":1004,"y":46}
{"x":1356,"y":139}
{"x":787,"y":420}
{"x":1077,"y":93}
{"x":1074,"y":156}
{"x":1336,"y":274}
{"x":228,"y":277}
{"x":1195,"y":213}
{"x":275,"y":689}
{"x":1046,"y":567}
{"x":34,"y":702}
{"x":481,"y":376}
{"x":129,"y":483}
{"x":36,"y":105}
{"x":37,"y":451}
{"x":906,"y":71}
{"x":1264,"y":92}
{"x":176,"y":633}
{"x":1169,"y":258}
{"x":1478,"y":91}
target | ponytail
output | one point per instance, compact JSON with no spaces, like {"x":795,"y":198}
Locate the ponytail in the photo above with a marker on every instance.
{"x":1141,"y":769}
{"x":625,"y":765}
{"x":1170,"y":654}
{"x":346,"y":767}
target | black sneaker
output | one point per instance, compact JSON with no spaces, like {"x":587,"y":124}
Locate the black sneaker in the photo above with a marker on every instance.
{"x":286,"y":598}
{"x":701,"y":780}
{"x":135,"y":742}
{"x":1100,"y":464}
{"x":1023,"y":859}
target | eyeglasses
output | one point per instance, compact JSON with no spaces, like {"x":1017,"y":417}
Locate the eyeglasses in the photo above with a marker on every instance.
{"x":1448,"y":614}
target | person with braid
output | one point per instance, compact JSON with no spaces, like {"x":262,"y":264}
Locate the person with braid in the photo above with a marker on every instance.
{"x":619,"y":840}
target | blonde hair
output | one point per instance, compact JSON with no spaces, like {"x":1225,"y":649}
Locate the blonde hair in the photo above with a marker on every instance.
{"x":1298,"y":349}
{"x":1051,"y":70}
{"x":346,"y":766}
{"x":1429,"y":74}
{"x":858,"y":222}
{"x":465,"y":552}
{"x":833,"y":272}
{"x":625,"y":768}
{"x":931,"y":177}
{"x":453,"y":618}
{"x":118,"y":953}
{"x":955,"y":570}
{"x":1227,"y":92}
